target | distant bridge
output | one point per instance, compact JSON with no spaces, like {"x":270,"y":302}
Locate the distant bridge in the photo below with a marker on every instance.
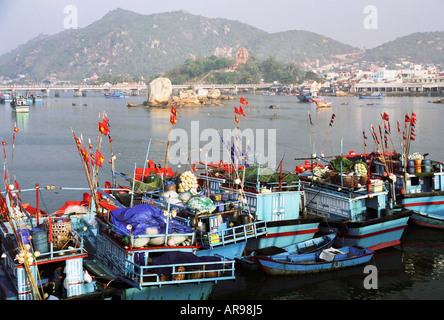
{"x":80,"y":90}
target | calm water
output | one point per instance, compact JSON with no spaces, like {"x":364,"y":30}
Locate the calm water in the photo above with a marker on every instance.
{"x":45,"y":153}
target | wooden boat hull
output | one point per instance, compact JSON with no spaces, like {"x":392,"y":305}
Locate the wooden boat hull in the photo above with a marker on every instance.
{"x":309,"y":263}
{"x":427,"y":208}
{"x":189,"y":291}
{"x":374,"y":234}
{"x":285,"y":233}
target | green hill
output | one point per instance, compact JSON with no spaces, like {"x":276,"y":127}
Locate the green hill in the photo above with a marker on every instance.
{"x":420,"y":47}
{"x":124,"y":42}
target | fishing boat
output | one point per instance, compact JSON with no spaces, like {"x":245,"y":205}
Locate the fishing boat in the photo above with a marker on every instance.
{"x":220,"y":227}
{"x":42,"y":256}
{"x":20,"y":105}
{"x":145,"y":263}
{"x":267,"y":196}
{"x":373,"y":95}
{"x":305,"y":96}
{"x":323,"y":104}
{"x":116,"y":95}
{"x":321,"y":261}
{"x":357,"y":209}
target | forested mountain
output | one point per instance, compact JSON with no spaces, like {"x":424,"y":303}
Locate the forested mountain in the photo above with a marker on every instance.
{"x":124,"y":42}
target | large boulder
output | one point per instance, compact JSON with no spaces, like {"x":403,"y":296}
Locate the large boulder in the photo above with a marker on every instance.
{"x":213,"y":94}
{"x":159,"y":91}
{"x":188,"y":97}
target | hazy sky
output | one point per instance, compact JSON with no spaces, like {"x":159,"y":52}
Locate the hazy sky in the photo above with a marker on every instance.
{"x":361,"y":23}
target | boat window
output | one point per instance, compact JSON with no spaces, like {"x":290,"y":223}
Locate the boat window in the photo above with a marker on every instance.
{"x":414,"y":181}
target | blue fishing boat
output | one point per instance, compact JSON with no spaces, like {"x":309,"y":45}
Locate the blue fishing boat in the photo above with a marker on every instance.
{"x":373,"y":95}
{"x":360,"y":213}
{"x":116,"y":95}
{"x":220,"y":226}
{"x":305,"y":96}
{"x":42,"y":256}
{"x":419,"y":187}
{"x":321,"y":261}
{"x":147,"y":264}
{"x":276,"y":202}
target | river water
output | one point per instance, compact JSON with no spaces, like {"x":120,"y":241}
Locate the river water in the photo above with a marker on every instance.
{"x":45,"y":153}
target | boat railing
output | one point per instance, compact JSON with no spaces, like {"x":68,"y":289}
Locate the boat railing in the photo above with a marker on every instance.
{"x":231,"y":235}
{"x":344,"y":191}
{"x":205,"y":271}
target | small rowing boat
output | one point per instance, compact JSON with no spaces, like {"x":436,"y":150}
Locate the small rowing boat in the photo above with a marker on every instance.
{"x":325,"y":260}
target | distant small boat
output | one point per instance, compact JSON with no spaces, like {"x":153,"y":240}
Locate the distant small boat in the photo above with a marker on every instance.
{"x":132,"y":104}
{"x":325,"y":260}
{"x":323,"y":104}
{"x":116,"y":95}
{"x":374,"y":95}
{"x":273,"y":106}
{"x":20,"y":105}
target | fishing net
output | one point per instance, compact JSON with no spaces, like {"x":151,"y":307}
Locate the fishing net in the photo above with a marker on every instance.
{"x":267,"y":175}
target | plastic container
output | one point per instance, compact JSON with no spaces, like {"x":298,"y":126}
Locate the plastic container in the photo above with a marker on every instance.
{"x":25,"y":236}
{"x":418,"y":168}
{"x":427,"y":165}
{"x":410,"y":166}
{"x":40,"y":240}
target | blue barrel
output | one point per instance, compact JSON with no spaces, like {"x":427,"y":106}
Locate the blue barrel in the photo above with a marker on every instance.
{"x":40,"y":240}
{"x":25,"y":236}
{"x":427,"y":164}
{"x":220,"y":206}
{"x":411,"y":166}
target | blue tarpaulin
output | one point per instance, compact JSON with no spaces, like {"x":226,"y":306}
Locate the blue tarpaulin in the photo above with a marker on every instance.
{"x":145,"y":216}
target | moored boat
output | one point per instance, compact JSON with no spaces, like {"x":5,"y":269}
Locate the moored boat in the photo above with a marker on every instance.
{"x":359,"y":210}
{"x":269,"y":198}
{"x":323,"y":104}
{"x":373,"y":95}
{"x":153,"y":265}
{"x":321,"y":261}
{"x":20,"y":105}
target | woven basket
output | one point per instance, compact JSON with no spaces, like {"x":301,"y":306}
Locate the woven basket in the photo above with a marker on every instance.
{"x":179,"y":275}
{"x":195,"y":275}
{"x":61,"y":232}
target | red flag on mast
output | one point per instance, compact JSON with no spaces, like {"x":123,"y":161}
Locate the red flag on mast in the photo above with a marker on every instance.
{"x":243,"y":101}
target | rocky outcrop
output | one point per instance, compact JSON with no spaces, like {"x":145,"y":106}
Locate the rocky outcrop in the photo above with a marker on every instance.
{"x":159,"y":91}
{"x":213,"y":94}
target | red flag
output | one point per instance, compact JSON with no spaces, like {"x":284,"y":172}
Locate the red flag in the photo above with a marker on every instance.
{"x":385,"y":117}
{"x":236,"y":119}
{"x":413,"y":115}
{"x":17,"y":186}
{"x":173,"y":110}
{"x":103,"y":127}
{"x":173,"y":119}
{"x":16,"y":129}
{"x":241,"y":111}
{"x":3,"y":143}
{"x":243,"y":101}
{"x":236,"y":110}
{"x":99,"y":158}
